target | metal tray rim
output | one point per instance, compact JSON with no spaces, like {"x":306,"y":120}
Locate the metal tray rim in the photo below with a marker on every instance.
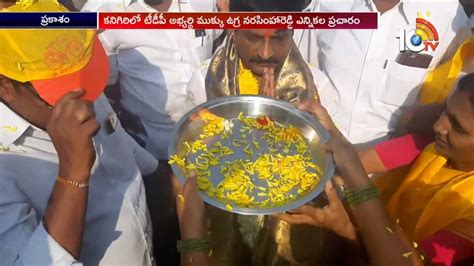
{"x":312,"y":121}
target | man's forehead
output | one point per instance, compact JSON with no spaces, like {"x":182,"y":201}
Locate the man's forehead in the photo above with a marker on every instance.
{"x":269,"y":32}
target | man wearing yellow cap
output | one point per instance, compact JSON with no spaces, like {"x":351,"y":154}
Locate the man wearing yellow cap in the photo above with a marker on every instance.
{"x":71,"y":188}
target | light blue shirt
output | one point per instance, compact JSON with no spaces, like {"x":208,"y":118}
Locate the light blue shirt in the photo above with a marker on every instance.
{"x":117,"y":228}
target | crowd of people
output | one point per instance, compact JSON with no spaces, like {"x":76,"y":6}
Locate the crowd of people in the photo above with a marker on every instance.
{"x":86,"y":118}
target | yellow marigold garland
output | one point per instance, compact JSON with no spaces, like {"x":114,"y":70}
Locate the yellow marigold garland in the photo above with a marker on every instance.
{"x":248,"y":83}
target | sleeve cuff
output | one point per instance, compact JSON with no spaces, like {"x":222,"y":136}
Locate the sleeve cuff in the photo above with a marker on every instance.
{"x":42,"y":249}
{"x":401,"y":151}
{"x":145,"y":161}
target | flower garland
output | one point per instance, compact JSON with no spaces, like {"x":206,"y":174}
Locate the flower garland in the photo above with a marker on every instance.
{"x":249,"y":226}
{"x":248,"y":83}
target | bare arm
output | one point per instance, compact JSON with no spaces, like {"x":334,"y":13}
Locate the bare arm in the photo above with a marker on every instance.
{"x":71,"y":128}
{"x":192,"y":221}
{"x":195,"y":258}
{"x":384,"y":242}
{"x":371,"y":161}
{"x":64,"y":218}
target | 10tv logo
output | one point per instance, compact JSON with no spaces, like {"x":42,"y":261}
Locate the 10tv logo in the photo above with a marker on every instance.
{"x":423,"y":38}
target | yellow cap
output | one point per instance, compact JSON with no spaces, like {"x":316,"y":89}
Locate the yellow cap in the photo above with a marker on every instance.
{"x":38,"y":54}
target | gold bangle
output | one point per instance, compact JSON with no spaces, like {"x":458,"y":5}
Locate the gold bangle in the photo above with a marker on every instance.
{"x":71,"y":182}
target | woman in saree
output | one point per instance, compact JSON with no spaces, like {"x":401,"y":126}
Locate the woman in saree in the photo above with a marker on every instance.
{"x":427,"y":211}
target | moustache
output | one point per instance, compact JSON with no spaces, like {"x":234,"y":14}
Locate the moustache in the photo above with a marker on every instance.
{"x":259,"y":60}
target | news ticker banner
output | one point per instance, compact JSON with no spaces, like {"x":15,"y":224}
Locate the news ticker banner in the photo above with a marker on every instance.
{"x":198,"y":21}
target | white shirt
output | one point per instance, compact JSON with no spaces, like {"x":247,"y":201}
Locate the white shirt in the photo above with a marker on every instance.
{"x":305,"y":39}
{"x":117,"y":226}
{"x":369,"y":86}
{"x":155,"y":67}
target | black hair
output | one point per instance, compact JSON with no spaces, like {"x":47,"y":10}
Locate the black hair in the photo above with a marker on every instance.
{"x":466,"y":84}
{"x":153,"y":2}
{"x":468,"y":7}
{"x":267,"y":5}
